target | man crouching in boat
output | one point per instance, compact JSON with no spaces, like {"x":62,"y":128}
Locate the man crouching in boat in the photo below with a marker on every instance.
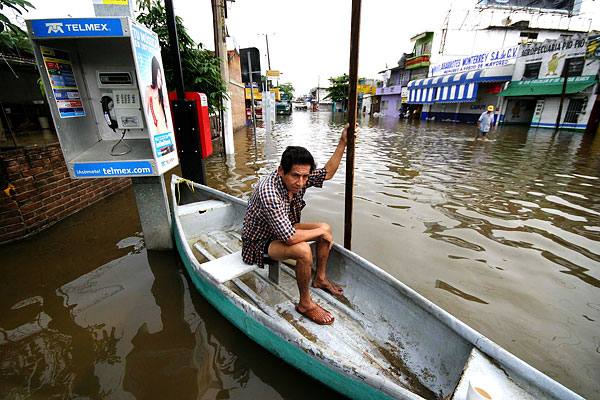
{"x":272,"y":227}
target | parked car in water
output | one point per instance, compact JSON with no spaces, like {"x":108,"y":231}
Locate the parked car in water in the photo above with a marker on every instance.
{"x":283,"y":106}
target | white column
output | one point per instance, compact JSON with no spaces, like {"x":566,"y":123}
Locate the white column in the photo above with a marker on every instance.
{"x":228,"y":126}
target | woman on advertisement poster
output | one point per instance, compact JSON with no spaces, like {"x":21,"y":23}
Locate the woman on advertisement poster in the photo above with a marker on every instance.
{"x":155,"y":99}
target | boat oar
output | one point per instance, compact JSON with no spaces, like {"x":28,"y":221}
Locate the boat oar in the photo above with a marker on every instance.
{"x":352,"y":98}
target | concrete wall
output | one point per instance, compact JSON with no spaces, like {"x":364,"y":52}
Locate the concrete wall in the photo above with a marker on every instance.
{"x":390,"y":105}
{"x":550,"y":110}
{"x":236,"y":89}
{"x":41,"y":192}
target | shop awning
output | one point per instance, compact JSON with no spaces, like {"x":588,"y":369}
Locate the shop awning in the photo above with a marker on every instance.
{"x":457,"y":88}
{"x":548,"y":86}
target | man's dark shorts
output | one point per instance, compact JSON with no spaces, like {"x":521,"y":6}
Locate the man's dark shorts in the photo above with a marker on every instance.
{"x":266,"y":258}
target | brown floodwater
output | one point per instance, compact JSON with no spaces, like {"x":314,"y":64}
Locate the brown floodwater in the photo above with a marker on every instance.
{"x":504,"y":234}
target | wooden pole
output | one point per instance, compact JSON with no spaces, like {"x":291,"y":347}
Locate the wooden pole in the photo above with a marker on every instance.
{"x":352,"y":99}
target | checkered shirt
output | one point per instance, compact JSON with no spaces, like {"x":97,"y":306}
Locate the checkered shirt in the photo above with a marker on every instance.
{"x":271,"y":214}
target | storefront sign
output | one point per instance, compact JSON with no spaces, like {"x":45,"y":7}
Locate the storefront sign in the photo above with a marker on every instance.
{"x":552,"y":81}
{"x":404,"y":95}
{"x":493,"y":58}
{"x":550,"y":46}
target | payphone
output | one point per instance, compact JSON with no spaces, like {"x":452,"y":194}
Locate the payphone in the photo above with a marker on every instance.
{"x":105,"y":84}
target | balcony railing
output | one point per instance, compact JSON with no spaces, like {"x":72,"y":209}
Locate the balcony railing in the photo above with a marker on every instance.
{"x":417,"y":61}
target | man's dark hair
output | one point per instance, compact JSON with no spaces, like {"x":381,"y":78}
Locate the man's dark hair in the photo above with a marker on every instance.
{"x":296,"y":155}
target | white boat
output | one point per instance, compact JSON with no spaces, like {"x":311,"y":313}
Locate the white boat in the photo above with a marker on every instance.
{"x":387,"y":341}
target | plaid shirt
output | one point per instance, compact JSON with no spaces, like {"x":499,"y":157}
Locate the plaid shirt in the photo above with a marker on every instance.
{"x":271,"y":214}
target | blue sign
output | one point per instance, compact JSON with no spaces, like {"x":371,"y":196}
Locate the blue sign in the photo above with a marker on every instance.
{"x":110,"y":169}
{"x":48,"y":28}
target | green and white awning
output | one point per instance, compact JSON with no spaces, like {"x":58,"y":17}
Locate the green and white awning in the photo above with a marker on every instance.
{"x":549,"y":86}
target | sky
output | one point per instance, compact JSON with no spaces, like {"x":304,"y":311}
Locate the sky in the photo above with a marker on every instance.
{"x":309,"y":40}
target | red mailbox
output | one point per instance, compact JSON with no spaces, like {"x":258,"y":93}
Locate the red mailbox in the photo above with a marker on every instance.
{"x":203,"y":119}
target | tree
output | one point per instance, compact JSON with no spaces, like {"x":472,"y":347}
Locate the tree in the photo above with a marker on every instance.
{"x":338,"y":89}
{"x":12,"y":38}
{"x":287,"y":89}
{"x":201,"y":68}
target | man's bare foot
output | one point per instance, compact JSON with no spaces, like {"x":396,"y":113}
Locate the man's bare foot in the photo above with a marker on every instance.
{"x":328,"y":286}
{"x":316,"y":314}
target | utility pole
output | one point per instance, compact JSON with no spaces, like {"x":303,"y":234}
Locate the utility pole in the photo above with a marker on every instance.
{"x":268,"y":56}
{"x":218,"y":9}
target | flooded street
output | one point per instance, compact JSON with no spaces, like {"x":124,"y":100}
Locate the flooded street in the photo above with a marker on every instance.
{"x":503,"y":233}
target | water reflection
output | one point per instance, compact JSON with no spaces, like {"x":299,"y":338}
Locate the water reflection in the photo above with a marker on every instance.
{"x":95,"y":315}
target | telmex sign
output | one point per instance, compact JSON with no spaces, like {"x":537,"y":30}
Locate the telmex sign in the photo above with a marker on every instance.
{"x":488,"y":59}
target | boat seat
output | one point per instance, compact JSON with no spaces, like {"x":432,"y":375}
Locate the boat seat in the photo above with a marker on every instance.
{"x":201,"y":207}
{"x":482,"y":372}
{"x":231,"y":266}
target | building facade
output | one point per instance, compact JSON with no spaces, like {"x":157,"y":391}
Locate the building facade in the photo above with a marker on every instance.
{"x":236,"y":89}
{"x":461,"y":89}
{"x":474,"y":54}
{"x":393,"y":93}
{"x":537,"y":93}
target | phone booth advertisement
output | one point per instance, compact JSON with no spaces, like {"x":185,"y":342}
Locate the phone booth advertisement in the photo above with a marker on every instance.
{"x":105,"y":84}
{"x":155,"y":98}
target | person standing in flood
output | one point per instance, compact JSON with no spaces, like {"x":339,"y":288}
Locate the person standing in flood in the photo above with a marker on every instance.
{"x":486,"y":121}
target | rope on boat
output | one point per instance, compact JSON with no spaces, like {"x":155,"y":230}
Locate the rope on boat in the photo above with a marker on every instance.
{"x":189,"y":183}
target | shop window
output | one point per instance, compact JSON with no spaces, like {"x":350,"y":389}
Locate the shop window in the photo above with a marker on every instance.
{"x":532,"y":70}
{"x":575,"y":66}
{"x":573,"y":110}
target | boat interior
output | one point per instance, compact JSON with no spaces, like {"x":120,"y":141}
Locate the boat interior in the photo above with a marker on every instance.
{"x":381,"y":330}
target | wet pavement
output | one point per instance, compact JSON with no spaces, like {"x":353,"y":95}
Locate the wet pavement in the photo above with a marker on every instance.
{"x":503,"y":233}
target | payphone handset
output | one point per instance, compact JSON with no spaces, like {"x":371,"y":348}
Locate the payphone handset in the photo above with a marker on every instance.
{"x":107,"y":110}
{"x":121,"y":105}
